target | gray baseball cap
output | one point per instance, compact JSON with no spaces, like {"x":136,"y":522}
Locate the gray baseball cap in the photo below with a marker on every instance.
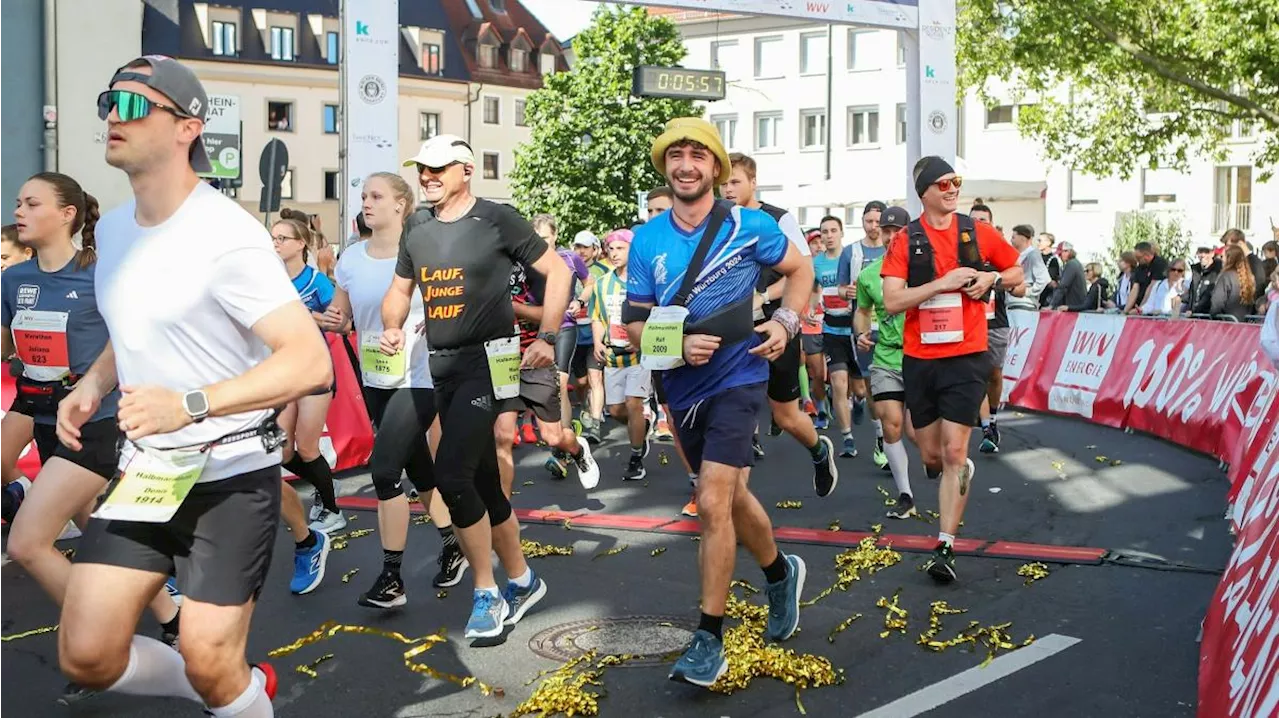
{"x":894,"y":217}
{"x":178,"y":83}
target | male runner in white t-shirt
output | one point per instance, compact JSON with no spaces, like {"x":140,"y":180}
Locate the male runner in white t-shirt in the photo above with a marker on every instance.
{"x":207,"y":337}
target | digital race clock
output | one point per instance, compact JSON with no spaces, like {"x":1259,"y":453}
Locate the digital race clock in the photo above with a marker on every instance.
{"x":677,"y":82}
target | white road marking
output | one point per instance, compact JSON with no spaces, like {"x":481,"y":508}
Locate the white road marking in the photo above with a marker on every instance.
{"x":945,"y":691}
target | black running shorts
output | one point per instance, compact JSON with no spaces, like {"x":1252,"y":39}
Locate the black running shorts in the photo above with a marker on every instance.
{"x":99,"y":446}
{"x":539,"y":392}
{"x":950,"y":388}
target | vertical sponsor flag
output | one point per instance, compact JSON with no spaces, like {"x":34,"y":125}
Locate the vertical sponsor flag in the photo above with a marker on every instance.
{"x":372,"y":36}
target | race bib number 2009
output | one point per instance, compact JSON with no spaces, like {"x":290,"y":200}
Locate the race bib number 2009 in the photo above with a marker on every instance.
{"x":662,"y":343}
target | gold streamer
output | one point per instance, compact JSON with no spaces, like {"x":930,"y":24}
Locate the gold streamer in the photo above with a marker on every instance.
{"x":568,"y":524}
{"x":611,"y":552}
{"x":995,"y":638}
{"x":1100,"y":459}
{"x":533,"y":549}
{"x":851,"y":563}
{"x":895,"y":617}
{"x":28,"y":634}
{"x":662,"y":458}
{"x":352,"y":517}
{"x":790,"y":504}
{"x":750,"y":658}
{"x":422,"y":519}
{"x":421,"y":645}
{"x":834,"y":525}
{"x":889,"y":499}
{"x":565,"y":689}
{"x":442,"y":593}
{"x":747,"y":588}
{"x":1033,"y":572}
{"x":339,"y":542}
{"x":831,"y":637}
{"x":346,"y":577}
{"x":658,"y":551}
{"x":877,"y":529}
{"x":309,"y":669}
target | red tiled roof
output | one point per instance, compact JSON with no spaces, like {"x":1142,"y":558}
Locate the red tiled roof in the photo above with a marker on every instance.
{"x":516,"y":20}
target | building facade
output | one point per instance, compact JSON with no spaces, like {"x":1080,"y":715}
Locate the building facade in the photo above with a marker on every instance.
{"x":466,"y":67}
{"x":839,"y":135}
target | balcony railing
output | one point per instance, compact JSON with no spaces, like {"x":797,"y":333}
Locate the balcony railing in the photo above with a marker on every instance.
{"x":1228,"y":216}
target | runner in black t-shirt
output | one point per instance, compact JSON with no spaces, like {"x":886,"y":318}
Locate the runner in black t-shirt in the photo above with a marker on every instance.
{"x":459,"y":254}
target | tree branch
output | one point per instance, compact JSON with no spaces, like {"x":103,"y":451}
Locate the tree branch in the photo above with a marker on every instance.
{"x":1162,"y":69}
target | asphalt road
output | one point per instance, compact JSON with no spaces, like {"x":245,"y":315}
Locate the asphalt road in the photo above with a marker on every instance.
{"x":1136,"y":625}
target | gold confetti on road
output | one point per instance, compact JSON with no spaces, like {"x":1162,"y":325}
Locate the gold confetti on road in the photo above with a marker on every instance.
{"x":877,"y":529}
{"x":309,"y":669}
{"x":834,"y":525}
{"x":28,"y":634}
{"x":568,"y":524}
{"x":611,"y":552}
{"x":565,"y":690}
{"x":346,"y":577}
{"x":746,"y":587}
{"x":790,"y":504}
{"x":1033,"y":572}
{"x":1100,"y":459}
{"x":851,"y":563}
{"x":937,"y":610}
{"x":895,"y":617}
{"x":421,"y":519}
{"x":533,"y":549}
{"x":352,"y":517}
{"x":662,"y":458}
{"x":442,"y":594}
{"x":339,"y":542}
{"x":831,"y":637}
{"x":658,"y":551}
{"x":1058,"y":466}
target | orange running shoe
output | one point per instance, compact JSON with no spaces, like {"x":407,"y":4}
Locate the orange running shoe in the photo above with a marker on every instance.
{"x":527,"y":435}
{"x":809,"y":407}
{"x":691,"y":509}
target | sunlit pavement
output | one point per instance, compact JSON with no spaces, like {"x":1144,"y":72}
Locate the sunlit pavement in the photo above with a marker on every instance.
{"x":1136,"y":627}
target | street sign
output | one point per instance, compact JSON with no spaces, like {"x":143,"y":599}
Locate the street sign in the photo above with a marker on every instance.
{"x":222,"y":136}
{"x":271,"y":170}
{"x":677,"y":82}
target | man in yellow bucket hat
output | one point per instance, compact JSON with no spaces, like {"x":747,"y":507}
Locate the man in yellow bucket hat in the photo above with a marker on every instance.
{"x":692,"y":273}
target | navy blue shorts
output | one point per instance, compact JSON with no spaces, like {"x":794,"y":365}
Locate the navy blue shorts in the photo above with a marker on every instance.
{"x":719,"y":428}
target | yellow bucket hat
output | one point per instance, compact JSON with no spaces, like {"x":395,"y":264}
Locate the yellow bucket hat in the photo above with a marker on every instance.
{"x":697,"y":130}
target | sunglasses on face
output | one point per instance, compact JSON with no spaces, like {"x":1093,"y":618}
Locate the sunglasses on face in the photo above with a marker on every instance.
{"x":131,"y":106}
{"x":1177,"y":269}
{"x":434,"y":170}
{"x":947,"y":184}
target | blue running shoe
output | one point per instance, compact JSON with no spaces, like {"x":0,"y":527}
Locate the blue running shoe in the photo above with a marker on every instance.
{"x":308,"y":565}
{"x":488,"y":612}
{"x":784,"y":601}
{"x":171,"y":588}
{"x":520,"y":600}
{"x":848,"y":448}
{"x":703,"y":661}
{"x":859,"y":411}
{"x":821,"y":421}
{"x":13,"y":495}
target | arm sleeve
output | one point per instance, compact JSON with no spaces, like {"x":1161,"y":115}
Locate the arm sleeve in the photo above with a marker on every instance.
{"x":844,"y":267}
{"x":251,"y":283}
{"x":640,"y":286}
{"x":895,"y":260}
{"x":1270,"y":335}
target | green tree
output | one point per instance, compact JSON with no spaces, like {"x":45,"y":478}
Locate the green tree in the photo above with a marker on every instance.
{"x":1119,"y":84}
{"x":588,"y":153}
{"x":1133,"y":227}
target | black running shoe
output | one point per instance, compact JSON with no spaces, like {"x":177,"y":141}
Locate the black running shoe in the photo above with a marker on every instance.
{"x":942,"y":566}
{"x":452,"y":565}
{"x":931,"y":474}
{"x":825,"y":474}
{"x":635,"y":469}
{"x":774,"y":429}
{"x":387,"y":592}
{"x":73,"y":694}
{"x":756,"y":448}
{"x":905,"y":508}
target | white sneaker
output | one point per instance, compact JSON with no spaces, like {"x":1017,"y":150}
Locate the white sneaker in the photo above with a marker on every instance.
{"x":588,"y":469}
{"x":329,"y":522}
{"x":316,"y":508}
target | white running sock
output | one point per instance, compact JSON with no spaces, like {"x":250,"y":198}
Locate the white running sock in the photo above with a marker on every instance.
{"x":24,"y":482}
{"x":492,"y":590}
{"x":155,"y":670}
{"x":525,"y":579}
{"x":946,"y":538}
{"x":898,"y":465}
{"x":879,"y":428}
{"x":253,"y":703}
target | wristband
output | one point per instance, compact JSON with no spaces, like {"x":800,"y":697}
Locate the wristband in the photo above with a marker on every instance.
{"x":789,"y":321}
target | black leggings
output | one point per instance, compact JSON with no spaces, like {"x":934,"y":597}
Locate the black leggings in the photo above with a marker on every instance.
{"x":402,"y":417}
{"x":468,"y":477}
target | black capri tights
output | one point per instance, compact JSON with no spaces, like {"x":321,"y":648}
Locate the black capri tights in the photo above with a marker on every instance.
{"x":402,"y":417}
{"x":468,"y":477}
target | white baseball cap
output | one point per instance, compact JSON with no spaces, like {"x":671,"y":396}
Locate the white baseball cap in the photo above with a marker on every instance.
{"x":442,"y":151}
{"x":585,"y":239}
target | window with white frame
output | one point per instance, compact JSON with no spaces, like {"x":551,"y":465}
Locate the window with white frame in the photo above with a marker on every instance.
{"x":1233,"y":198}
{"x":768,"y":128}
{"x":727,"y":126}
{"x":1160,"y":186}
{"x":492,"y":111}
{"x":487,"y":55}
{"x":724,"y":57}
{"x":224,"y":38}
{"x":331,"y":126}
{"x":491,"y":169}
{"x":519,"y":60}
{"x":279,"y":116}
{"x":813,"y":53}
{"x":282,"y":43}
{"x":862,"y":51}
{"x":428,"y":125}
{"x":432,"y":59}
{"x":1083,"y":190}
{"x":1000,"y":115}
{"x":901,"y":44}
{"x":547,"y":63}
{"x":813,"y":129}
{"x":864,"y":126}
{"x":769,"y":57}
{"x":519,"y":113}
{"x":900,"y":124}
{"x":332,"y":48}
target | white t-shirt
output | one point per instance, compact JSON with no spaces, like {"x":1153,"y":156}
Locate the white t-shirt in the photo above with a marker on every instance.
{"x":179,"y":300}
{"x":366,"y":281}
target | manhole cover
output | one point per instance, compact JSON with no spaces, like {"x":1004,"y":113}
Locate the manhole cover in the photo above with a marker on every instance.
{"x":652,"y":638}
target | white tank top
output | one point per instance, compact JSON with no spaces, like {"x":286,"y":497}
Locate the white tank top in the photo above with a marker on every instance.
{"x":366,"y":280}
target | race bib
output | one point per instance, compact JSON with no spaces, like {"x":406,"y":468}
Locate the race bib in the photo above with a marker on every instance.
{"x":504,"y":366}
{"x":942,"y":319}
{"x":581,"y":316}
{"x":662,"y":343}
{"x":832,"y":302}
{"x":379,"y":369}
{"x":153,"y":485}
{"x":618,"y":336}
{"x":41,"y":342}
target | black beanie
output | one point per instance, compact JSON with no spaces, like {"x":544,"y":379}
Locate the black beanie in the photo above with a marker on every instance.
{"x":934,"y":168}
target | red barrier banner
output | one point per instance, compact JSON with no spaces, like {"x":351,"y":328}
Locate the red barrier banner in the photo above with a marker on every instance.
{"x":348,"y":436}
{"x":1208,"y":387}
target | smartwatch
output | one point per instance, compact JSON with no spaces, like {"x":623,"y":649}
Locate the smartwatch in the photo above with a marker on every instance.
{"x":196,"y":404}
{"x":548,"y":337}
{"x":999,"y":281}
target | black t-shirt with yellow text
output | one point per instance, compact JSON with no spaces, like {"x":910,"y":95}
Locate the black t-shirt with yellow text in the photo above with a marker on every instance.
{"x":463,"y":270}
